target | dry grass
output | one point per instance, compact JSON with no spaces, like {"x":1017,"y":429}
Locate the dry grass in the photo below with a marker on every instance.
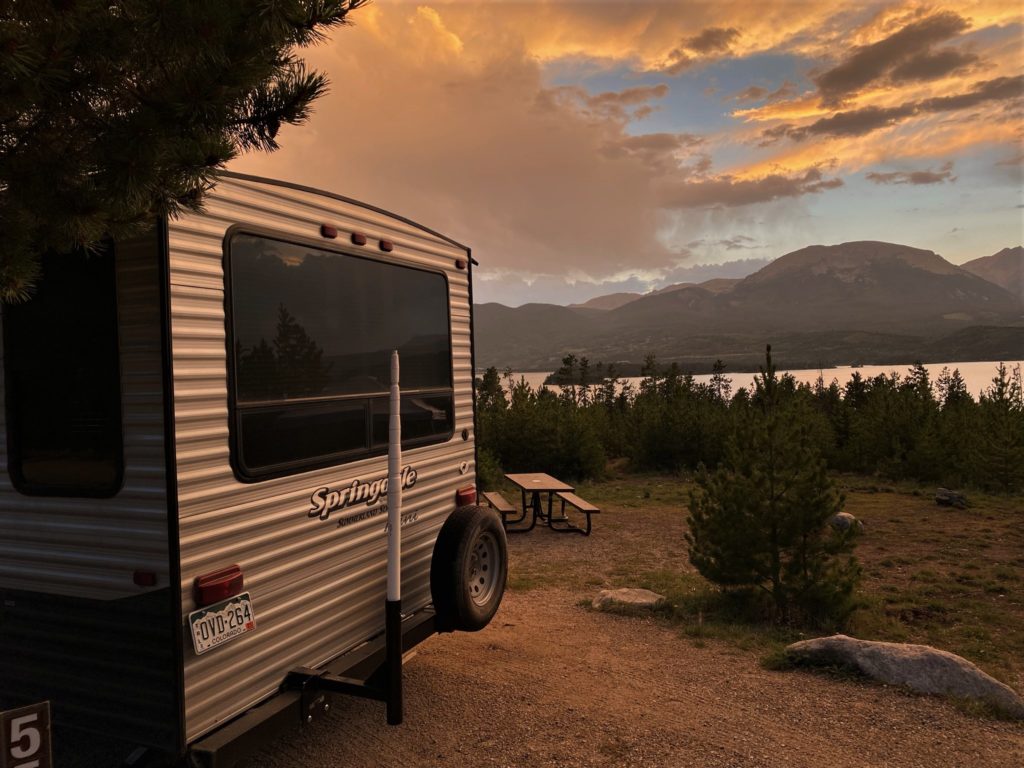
{"x":949,"y":578}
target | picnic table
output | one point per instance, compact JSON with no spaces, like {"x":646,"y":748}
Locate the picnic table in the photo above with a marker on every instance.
{"x":537,"y":483}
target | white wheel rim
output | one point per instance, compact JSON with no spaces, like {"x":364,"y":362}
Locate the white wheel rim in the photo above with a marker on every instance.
{"x":483,"y":569}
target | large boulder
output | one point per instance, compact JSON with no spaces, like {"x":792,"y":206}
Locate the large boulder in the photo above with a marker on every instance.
{"x":627,"y":597}
{"x":947,"y":498}
{"x":918,"y":667}
{"x":844,"y":521}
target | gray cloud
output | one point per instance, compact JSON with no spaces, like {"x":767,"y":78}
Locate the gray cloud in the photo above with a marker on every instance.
{"x":728,"y":191}
{"x":734,"y":243}
{"x":678,"y":62}
{"x":930,"y":66}
{"x":859,"y":122}
{"x":657,"y":150}
{"x":999,"y":89}
{"x":904,"y":55}
{"x":620,"y":105}
{"x":629,"y":97}
{"x":757,"y":93}
{"x":945,"y":173}
{"x":712,"y":40}
{"x":753,"y":93}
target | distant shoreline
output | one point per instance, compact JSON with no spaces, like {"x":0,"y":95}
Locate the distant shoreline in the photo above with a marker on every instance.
{"x":977,"y":374}
{"x":704,"y":366}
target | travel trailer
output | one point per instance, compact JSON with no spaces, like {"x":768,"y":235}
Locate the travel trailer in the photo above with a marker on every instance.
{"x":194,"y":517}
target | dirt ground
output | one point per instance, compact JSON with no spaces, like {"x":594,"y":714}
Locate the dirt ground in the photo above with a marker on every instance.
{"x":552,"y":683}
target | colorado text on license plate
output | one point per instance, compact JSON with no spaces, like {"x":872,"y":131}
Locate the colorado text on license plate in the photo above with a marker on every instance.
{"x":220,"y":622}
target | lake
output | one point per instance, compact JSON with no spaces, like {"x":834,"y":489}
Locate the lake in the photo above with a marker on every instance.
{"x":977,"y":376}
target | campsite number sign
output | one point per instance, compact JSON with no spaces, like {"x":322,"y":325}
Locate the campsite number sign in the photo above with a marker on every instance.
{"x":26,"y":737}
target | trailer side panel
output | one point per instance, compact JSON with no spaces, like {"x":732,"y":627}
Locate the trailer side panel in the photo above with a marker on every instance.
{"x":316,"y":582}
{"x":75,"y":627}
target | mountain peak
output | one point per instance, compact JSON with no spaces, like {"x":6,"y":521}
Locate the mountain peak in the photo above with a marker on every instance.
{"x":608,"y":301}
{"x":847,"y":261}
{"x":1005,"y":269}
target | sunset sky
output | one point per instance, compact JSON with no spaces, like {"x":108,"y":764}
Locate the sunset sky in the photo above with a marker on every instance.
{"x":582,"y":148}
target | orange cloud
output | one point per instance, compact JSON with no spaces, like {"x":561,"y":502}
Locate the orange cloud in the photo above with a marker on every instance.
{"x":467,"y":138}
{"x":441,"y":110}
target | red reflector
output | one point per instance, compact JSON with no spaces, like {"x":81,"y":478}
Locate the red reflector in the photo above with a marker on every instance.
{"x":326,"y":230}
{"x":219,"y":585}
{"x":460,"y":263}
{"x":358,"y":238}
{"x":144,"y":578}
{"x":465,"y":496}
{"x":387,"y":245}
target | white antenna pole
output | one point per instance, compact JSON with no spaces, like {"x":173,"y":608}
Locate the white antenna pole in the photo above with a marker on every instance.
{"x":395,"y":486}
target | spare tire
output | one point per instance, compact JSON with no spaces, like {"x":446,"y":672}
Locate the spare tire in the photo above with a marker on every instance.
{"x":468,"y":569}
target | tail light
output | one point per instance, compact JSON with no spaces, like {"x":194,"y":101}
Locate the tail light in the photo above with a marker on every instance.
{"x":465,"y":496}
{"x":219,"y":585}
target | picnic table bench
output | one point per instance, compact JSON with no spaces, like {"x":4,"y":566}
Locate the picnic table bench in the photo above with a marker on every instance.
{"x":582,"y":505}
{"x":499,"y":504}
{"x":537,"y":483}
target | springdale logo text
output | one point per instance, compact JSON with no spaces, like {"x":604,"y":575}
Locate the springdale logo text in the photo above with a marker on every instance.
{"x":324,"y":501}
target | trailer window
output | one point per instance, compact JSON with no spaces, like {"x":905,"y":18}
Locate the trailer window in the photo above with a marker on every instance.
{"x":62,"y":378}
{"x":312,"y":332}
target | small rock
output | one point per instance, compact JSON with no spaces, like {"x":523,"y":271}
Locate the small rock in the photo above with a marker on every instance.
{"x":920,"y":668}
{"x":844,"y":521}
{"x":627,"y":598}
{"x":947,"y":498}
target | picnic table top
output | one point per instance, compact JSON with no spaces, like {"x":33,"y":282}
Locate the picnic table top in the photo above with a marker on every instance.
{"x":538,"y":481}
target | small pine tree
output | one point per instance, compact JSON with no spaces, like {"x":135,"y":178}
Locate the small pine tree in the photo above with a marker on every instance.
{"x":761,"y":521}
{"x":720,"y":384}
{"x":489,"y":394}
{"x":1000,"y":444}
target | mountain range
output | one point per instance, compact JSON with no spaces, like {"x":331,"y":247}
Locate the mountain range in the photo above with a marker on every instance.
{"x":865,"y":301}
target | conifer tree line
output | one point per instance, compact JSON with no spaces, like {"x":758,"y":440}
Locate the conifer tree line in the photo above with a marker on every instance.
{"x":115,"y":112}
{"x":896,"y":426}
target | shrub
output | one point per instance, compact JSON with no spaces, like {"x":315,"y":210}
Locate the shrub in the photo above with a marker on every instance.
{"x":761,"y":521}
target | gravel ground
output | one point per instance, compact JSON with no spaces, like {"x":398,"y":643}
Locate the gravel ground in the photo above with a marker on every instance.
{"x":551,"y":683}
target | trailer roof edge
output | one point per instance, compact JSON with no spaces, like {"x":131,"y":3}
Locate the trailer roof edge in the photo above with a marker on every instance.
{"x":342,"y":198}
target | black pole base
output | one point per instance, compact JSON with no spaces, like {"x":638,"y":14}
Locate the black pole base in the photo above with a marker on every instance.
{"x":393,"y":659}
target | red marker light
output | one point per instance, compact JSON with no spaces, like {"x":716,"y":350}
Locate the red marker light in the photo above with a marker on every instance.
{"x":218,"y":585}
{"x":326,"y":230}
{"x":358,"y":238}
{"x":387,"y":245}
{"x":465,"y":496}
{"x":460,"y":263}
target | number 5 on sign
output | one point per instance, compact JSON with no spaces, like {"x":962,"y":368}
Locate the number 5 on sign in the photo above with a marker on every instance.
{"x":26,"y":737}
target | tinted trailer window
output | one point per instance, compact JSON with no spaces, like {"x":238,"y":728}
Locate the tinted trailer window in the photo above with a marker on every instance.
{"x":311,"y":334}
{"x":63,"y":380}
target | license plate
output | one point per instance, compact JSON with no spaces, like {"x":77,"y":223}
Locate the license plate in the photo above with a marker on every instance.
{"x":216,"y":624}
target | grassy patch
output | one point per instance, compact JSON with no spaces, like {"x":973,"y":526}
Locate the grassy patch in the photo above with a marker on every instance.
{"x":943,"y":577}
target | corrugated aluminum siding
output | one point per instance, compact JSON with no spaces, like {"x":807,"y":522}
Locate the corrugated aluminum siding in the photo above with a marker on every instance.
{"x":317,"y":589}
{"x":74,"y":628}
{"x":90,"y":547}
